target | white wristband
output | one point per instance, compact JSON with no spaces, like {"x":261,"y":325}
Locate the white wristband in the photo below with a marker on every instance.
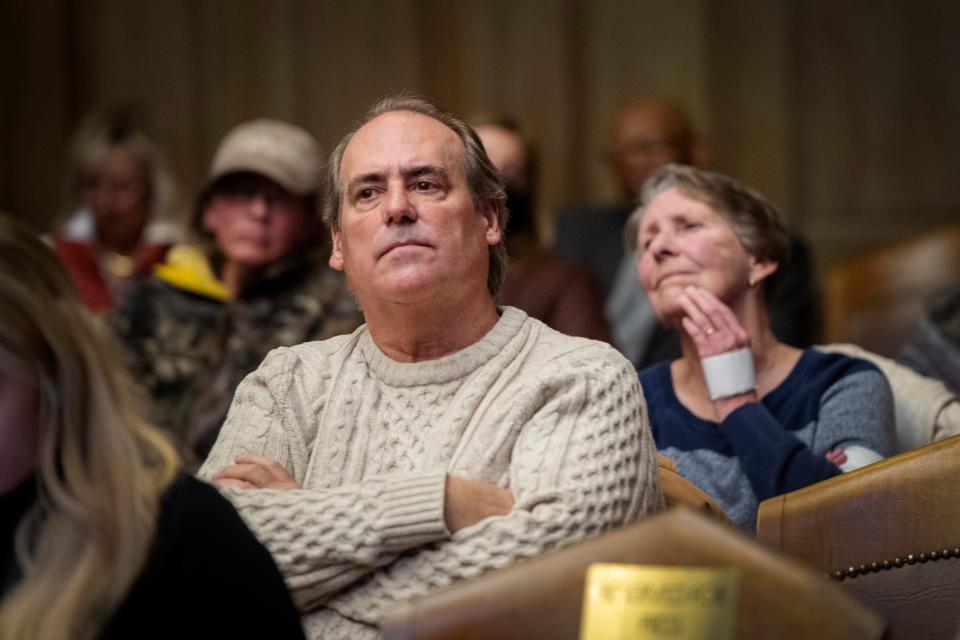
{"x":729,"y":374}
{"x":858,"y":456}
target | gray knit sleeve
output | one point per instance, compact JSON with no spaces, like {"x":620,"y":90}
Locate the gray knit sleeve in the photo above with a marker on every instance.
{"x":255,"y":423}
{"x":857,"y":410}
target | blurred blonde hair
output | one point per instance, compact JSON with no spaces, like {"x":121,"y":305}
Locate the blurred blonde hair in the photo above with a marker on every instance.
{"x":100,"y":469}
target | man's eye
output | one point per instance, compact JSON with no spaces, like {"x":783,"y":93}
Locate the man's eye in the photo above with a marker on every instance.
{"x":424,"y":185}
{"x":365,"y":194}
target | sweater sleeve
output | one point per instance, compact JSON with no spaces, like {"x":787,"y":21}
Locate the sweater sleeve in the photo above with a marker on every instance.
{"x":321,"y":538}
{"x":584,"y":462}
{"x":855,"y":410}
{"x":858,"y":410}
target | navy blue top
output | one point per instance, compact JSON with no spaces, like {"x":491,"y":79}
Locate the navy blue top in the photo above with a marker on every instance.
{"x":767,"y":448}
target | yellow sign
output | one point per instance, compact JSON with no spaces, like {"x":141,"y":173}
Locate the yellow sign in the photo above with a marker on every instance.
{"x":642,"y":602}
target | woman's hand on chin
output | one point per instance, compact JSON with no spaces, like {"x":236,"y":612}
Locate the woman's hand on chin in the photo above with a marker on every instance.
{"x":710,"y":323}
{"x":714,"y":329}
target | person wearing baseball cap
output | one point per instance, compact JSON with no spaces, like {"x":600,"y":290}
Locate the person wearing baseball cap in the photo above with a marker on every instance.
{"x":254,"y":279}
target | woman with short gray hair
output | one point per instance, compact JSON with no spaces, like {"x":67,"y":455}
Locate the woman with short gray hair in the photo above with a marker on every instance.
{"x":745,"y":416}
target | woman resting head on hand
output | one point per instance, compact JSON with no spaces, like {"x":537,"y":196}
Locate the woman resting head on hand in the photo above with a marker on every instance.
{"x":99,"y":536}
{"x":745,"y":416}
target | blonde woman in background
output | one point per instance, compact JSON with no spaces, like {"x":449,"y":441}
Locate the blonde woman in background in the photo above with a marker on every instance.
{"x":121,"y":207}
{"x":100,"y":536}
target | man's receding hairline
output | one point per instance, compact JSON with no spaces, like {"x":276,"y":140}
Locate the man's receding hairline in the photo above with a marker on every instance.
{"x":460,"y":145}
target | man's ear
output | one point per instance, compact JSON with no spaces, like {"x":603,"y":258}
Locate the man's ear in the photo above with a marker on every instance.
{"x":494,"y":233}
{"x":336,"y":256}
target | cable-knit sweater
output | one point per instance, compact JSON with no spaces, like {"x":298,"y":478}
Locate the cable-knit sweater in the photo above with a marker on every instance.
{"x":559,"y":421}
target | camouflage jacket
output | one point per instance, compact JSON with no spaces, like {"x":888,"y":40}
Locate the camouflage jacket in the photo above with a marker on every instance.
{"x":189,"y":347}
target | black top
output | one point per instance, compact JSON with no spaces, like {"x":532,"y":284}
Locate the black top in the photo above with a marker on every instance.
{"x":12,"y":507}
{"x":207,"y":576}
{"x":592,"y":235}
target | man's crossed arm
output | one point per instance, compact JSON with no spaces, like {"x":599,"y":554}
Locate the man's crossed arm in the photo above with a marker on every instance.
{"x":466,"y":502}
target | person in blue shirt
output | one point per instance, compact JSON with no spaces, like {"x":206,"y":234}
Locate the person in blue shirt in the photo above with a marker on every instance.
{"x":745,"y":416}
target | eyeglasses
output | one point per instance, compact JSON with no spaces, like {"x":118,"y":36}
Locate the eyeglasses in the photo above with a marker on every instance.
{"x":245,"y":187}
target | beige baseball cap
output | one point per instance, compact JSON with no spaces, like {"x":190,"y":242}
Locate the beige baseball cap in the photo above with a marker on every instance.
{"x":285,"y":153}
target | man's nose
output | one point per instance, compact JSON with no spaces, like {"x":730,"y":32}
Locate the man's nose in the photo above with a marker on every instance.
{"x":398,"y":208}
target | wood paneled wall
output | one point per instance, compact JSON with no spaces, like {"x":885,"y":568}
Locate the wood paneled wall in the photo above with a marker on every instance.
{"x":846,"y":114}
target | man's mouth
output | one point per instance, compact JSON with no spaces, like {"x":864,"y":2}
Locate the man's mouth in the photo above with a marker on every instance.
{"x":400,"y":244}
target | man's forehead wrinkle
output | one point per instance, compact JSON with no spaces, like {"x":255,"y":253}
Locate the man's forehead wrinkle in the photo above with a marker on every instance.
{"x":417,"y":171}
{"x":365,"y":178}
{"x":399,"y":140}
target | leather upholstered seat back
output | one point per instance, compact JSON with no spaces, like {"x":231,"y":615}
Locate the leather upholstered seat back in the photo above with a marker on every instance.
{"x":888,"y":532}
{"x":542,"y":597}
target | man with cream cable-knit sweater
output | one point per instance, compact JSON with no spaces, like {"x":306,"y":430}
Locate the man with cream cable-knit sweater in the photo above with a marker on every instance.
{"x":446,"y":437}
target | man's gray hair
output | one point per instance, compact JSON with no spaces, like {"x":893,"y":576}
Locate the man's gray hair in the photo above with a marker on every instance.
{"x":754,"y":220}
{"x":482,"y":178}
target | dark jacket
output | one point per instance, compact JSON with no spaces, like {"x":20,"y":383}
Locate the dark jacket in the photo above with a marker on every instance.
{"x":189,"y":346}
